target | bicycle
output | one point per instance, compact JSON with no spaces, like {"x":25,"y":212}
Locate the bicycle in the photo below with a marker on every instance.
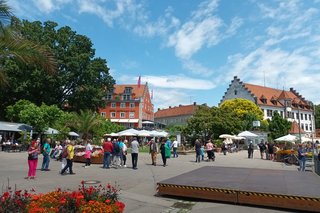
{"x":291,"y":159}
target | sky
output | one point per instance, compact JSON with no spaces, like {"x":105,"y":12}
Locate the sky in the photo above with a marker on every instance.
{"x":189,"y":51}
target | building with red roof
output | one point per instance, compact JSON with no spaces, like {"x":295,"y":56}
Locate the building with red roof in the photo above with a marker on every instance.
{"x":289,"y":104}
{"x":177,"y":115}
{"x":129,"y":105}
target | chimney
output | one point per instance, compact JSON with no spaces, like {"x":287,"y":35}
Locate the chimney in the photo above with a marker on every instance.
{"x":158,"y":109}
{"x":169,"y":107}
{"x":194,"y":103}
{"x":180,"y":105}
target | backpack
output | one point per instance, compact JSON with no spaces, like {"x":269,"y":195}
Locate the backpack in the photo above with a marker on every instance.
{"x":116,"y":147}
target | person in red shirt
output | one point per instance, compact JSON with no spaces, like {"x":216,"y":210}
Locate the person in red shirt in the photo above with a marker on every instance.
{"x":107,"y":148}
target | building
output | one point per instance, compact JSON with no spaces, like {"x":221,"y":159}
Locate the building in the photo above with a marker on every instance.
{"x":289,"y":104}
{"x":128,"y":105}
{"x":177,"y":115}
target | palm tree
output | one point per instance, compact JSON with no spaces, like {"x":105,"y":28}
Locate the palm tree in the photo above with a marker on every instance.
{"x":86,"y":122}
{"x":13,"y":45}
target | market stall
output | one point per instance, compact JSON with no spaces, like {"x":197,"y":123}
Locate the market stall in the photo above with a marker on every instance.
{"x":96,"y":157}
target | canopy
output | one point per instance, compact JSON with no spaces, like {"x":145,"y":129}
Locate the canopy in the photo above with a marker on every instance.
{"x":51,"y":131}
{"x":112,"y":134}
{"x":128,"y":132}
{"x":73,"y":134}
{"x":14,"y":127}
{"x":147,"y":122}
{"x":247,"y":134}
{"x":288,"y":138}
{"x":226,"y":136}
{"x":238,"y":138}
{"x":144,"y":133}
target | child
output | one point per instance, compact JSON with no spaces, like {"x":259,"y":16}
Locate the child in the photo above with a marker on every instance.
{"x":87,"y":154}
{"x":202,"y":152}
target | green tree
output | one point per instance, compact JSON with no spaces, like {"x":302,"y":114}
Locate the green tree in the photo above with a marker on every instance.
{"x":16,"y":47}
{"x":243,"y":108}
{"x":86,"y":122}
{"x":317,"y":116}
{"x":278,"y":126}
{"x":80,"y":82}
{"x":107,"y":127}
{"x":40,"y":118}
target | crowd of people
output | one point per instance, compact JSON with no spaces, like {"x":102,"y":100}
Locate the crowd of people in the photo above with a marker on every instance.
{"x":115,"y":153}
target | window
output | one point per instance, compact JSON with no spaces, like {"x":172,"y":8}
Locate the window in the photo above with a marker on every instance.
{"x":269,"y":112}
{"x":122,"y":114}
{"x":305,"y":117}
{"x":126,"y":97}
{"x":281,"y":113}
{"x":103,"y":114}
{"x":109,"y":97}
{"x":113,"y":105}
{"x":235,"y":92}
{"x":297,"y":115}
{"x":127,"y":90}
{"x":310,"y":127}
{"x":122,"y":105}
{"x":302,"y":126}
{"x":112,"y":114}
{"x":301,"y":116}
{"x":309,"y":117}
{"x":131,"y":115}
{"x":292,"y":114}
{"x":131,"y":105}
{"x":306,"y":126}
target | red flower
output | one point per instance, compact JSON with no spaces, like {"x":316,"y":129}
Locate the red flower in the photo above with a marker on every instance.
{"x":107,"y":201}
{"x":63,"y":201}
{"x":6,"y":195}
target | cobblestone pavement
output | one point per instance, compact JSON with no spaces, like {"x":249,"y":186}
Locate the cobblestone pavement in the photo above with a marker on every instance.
{"x":138,"y":187}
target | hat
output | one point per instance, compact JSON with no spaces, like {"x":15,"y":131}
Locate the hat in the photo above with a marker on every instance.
{"x":109,"y":139}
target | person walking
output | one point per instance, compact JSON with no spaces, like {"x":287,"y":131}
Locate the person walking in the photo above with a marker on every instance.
{"x":153,"y":151}
{"x":70,"y":151}
{"x":33,"y":153}
{"x":262,"y":148}
{"x":302,"y":152}
{"x":197,"y":147}
{"x":125,"y":152}
{"x":250,"y":150}
{"x":87,"y":154}
{"x":175,"y":147}
{"x":210,"y":151}
{"x":134,"y":153}
{"x":107,"y":149}
{"x":163,"y":152}
{"x":46,"y":155}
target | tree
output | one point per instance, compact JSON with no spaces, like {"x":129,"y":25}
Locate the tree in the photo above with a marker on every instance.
{"x":40,"y":118}
{"x":317,"y":116}
{"x":86,"y":122}
{"x":80,"y":82}
{"x":242,"y":108}
{"x":278,"y":126}
{"x":14,"y":46}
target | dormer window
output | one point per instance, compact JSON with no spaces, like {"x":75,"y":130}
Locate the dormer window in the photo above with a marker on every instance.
{"x":263,"y":99}
{"x":235,"y":92}
{"x":128,"y":90}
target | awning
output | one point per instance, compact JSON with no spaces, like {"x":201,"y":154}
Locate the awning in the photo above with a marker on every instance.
{"x":125,"y":120}
{"x":14,"y":127}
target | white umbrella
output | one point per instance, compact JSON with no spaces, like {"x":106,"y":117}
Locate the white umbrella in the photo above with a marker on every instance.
{"x":247,"y":134}
{"x":239,"y":138}
{"x":73,"y":134}
{"x":144,"y":133}
{"x":112,"y":134}
{"x":226,"y":136}
{"x":51,"y":131}
{"x":288,"y":138}
{"x":147,"y":122}
{"x":128,"y":132}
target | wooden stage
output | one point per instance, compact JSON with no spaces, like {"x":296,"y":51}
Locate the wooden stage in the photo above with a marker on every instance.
{"x":262,"y":187}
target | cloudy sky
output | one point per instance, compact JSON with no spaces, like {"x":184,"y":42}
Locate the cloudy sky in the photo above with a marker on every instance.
{"x":189,"y":51}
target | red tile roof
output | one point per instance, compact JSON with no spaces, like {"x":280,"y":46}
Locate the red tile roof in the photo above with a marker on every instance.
{"x":275,"y":95}
{"x":136,"y":90}
{"x":176,"y":111}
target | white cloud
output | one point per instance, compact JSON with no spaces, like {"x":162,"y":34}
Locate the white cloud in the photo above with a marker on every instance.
{"x":48,"y":6}
{"x":197,"y":68}
{"x":163,"y":98}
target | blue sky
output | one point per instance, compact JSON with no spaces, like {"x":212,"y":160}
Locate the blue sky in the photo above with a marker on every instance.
{"x":188,"y":51}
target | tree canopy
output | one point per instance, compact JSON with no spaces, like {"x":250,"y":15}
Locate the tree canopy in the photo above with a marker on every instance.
{"x":80,"y":82}
{"x":278,"y":126}
{"x":317,"y":116}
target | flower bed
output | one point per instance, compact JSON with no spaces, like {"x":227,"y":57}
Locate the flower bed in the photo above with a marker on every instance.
{"x":85,"y":199}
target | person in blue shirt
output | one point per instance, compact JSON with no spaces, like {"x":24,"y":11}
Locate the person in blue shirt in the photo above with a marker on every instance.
{"x":302,"y":152}
{"x":46,"y":149}
{"x":168,"y":142}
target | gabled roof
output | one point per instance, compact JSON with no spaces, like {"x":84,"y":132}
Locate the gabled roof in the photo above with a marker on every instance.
{"x":137,"y":91}
{"x":176,"y":111}
{"x":272,"y":94}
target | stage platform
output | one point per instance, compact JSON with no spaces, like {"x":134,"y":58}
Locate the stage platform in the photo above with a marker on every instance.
{"x":262,"y":187}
